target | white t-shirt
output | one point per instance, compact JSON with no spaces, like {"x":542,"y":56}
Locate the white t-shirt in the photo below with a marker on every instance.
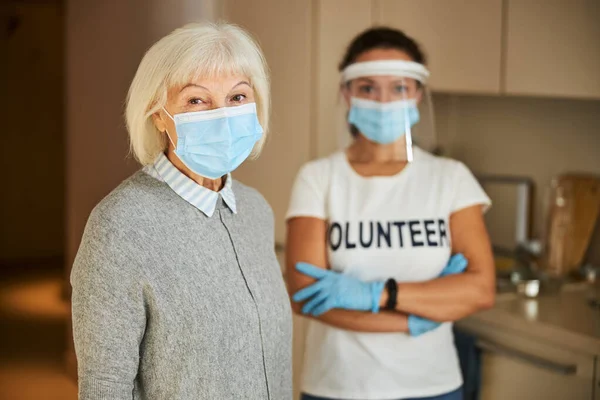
{"x":380,"y":228}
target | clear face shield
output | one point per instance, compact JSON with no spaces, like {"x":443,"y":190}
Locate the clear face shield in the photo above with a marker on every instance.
{"x":389,"y":103}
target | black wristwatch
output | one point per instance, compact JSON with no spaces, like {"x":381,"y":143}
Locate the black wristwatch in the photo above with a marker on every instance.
{"x":392,"y":290}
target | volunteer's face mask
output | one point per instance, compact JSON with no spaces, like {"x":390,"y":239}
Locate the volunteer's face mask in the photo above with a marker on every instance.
{"x":213,"y":143}
{"x":383,"y":123}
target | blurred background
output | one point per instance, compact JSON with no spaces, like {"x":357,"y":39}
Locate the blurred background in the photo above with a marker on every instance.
{"x":516,"y":89}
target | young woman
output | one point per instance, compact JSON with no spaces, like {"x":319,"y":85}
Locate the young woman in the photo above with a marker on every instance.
{"x":370,"y":238}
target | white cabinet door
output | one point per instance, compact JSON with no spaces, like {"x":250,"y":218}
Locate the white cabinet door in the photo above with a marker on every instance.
{"x":337,"y":23}
{"x":283,"y":30}
{"x":553,"y":48}
{"x":511,"y":378}
{"x":517,"y":366}
{"x":461,"y":38}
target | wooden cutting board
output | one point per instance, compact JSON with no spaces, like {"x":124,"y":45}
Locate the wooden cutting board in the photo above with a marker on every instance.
{"x":573,"y":212}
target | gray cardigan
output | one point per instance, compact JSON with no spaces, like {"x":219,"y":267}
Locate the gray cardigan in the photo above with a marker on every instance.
{"x":171,"y":304}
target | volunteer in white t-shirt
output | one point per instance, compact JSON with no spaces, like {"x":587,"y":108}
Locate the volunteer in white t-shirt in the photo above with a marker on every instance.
{"x":371,"y":231}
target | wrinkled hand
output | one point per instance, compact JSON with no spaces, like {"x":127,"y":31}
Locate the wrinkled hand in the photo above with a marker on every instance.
{"x":419,"y":325}
{"x":335,"y":290}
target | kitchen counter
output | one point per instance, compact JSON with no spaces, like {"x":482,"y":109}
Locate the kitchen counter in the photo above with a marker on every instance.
{"x":564,"y":319}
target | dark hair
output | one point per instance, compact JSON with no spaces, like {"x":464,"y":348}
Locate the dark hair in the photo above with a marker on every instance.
{"x":381,"y":38}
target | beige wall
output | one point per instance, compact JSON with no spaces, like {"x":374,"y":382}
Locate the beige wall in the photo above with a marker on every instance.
{"x":31,"y":154}
{"x":105,"y":41}
{"x":534,"y":137}
{"x":286,"y":43}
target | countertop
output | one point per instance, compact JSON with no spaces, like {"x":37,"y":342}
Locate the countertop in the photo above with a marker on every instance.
{"x":565,"y":318}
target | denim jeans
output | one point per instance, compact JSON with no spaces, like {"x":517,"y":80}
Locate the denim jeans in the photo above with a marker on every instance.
{"x":454,"y":395}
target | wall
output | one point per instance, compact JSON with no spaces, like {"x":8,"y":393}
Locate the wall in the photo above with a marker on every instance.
{"x":535,"y":137}
{"x":105,"y":41}
{"x":31,"y":154}
{"x":289,"y":58}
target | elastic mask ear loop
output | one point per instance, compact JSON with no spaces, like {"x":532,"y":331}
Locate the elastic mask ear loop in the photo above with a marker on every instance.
{"x":167,"y":132}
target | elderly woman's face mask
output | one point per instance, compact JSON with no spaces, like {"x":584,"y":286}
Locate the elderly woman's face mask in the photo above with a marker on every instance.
{"x":212,"y":124}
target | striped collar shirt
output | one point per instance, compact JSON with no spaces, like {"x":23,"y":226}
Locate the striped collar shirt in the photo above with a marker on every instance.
{"x":198,"y":196}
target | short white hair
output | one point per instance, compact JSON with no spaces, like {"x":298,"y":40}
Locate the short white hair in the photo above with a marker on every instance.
{"x":195,"y":50}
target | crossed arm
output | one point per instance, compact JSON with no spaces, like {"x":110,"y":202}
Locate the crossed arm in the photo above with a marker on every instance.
{"x":444,"y":299}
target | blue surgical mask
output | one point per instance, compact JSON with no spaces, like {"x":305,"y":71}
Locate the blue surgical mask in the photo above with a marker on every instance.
{"x":383,"y":123}
{"x":213,"y":143}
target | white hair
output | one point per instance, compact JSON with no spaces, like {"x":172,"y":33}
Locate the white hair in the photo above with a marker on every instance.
{"x":195,"y":50}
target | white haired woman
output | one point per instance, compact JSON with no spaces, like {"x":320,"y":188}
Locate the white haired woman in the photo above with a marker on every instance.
{"x":177,"y":293}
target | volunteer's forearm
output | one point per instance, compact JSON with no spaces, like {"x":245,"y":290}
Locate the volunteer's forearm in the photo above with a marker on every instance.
{"x":359,"y":321}
{"x":445,"y":299}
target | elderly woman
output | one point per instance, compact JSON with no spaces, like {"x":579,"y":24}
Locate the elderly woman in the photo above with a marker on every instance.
{"x":177,"y":293}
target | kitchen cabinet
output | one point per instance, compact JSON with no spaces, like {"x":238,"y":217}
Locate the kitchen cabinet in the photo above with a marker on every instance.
{"x":517,"y":47}
{"x":461,"y":38}
{"x":536,"y":374}
{"x":544,"y":348}
{"x":283,"y":30}
{"x":553,"y":48}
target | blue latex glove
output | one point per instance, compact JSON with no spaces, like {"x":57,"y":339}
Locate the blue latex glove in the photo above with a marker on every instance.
{"x":335,"y":290}
{"x":457,"y":264}
{"x":419,"y":325}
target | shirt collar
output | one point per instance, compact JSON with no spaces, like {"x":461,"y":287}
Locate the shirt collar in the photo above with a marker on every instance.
{"x":198,"y":196}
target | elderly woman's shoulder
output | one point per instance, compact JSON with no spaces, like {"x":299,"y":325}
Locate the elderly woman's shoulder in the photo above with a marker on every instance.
{"x":250,"y":198}
{"x":134,"y":200}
